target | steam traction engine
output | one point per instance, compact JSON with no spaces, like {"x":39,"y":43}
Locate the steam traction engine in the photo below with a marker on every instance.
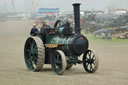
{"x":60,"y":47}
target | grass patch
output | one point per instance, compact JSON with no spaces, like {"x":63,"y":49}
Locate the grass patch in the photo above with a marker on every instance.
{"x":90,"y":37}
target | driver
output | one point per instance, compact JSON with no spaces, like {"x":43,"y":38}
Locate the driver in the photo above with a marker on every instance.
{"x":44,"y":27}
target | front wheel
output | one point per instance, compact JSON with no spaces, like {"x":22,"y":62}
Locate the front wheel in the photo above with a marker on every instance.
{"x":58,"y":62}
{"x":90,"y":61}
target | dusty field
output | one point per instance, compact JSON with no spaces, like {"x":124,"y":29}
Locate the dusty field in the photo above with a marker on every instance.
{"x":113,"y":67}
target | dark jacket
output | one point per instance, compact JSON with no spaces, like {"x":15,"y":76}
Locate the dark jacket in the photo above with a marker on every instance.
{"x":34,"y":31}
{"x":44,"y":29}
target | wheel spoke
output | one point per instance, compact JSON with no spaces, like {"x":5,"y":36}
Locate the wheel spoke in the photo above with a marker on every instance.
{"x":58,"y":57}
{"x":32,"y":46}
{"x":55,"y":59}
{"x":34,"y":57}
{"x":29,"y":60}
{"x":31,"y":66}
{"x":35,"y":47}
{"x":89,"y":55}
{"x":87,"y":64}
{"x":87,"y":58}
{"x":93,"y":57}
{"x":60,"y":66}
{"x":93,"y":63}
{"x":35,"y":52}
{"x":35,"y":61}
{"x":59,"y":62}
{"x":27,"y":50}
{"x":91,"y":68}
{"x":29,"y":42}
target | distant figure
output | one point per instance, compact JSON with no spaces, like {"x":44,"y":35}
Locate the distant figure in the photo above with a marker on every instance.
{"x":34,"y":30}
{"x":87,"y":30}
{"x":108,"y":36}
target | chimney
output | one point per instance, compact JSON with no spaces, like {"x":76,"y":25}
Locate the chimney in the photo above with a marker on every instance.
{"x":76,"y":7}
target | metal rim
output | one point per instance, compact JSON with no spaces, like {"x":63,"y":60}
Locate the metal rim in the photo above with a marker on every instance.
{"x":91,"y":61}
{"x":34,"y":53}
{"x":58,"y":62}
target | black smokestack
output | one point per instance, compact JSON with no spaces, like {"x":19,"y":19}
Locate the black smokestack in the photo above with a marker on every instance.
{"x":76,"y":7}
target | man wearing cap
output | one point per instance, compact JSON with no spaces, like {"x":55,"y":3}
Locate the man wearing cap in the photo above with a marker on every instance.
{"x":44,"y":27}
{"x":34,"y":30}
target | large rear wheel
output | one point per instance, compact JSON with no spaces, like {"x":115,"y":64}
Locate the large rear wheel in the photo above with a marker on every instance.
{"x":58,"y":62}
{"x":34,"y":53}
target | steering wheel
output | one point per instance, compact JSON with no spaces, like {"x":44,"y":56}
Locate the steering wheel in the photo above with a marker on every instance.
{"x":58,"y":24}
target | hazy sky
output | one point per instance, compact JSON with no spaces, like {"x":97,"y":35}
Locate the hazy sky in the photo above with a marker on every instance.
{"x":64,"y":5}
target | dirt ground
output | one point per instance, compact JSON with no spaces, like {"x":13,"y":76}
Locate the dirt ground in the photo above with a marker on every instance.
{"x":113,"y":65}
